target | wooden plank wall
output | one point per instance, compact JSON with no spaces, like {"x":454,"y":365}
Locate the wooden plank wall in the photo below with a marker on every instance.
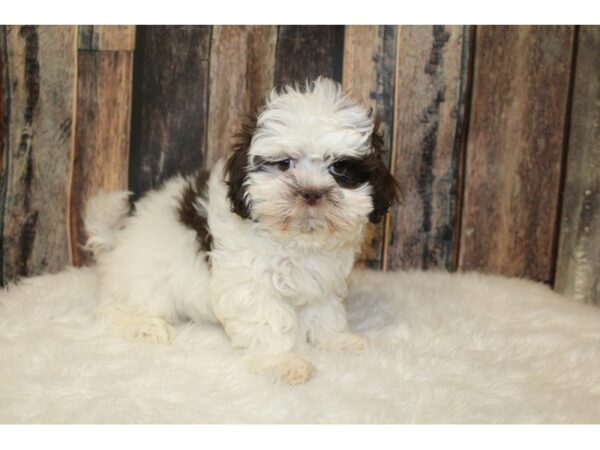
{"x":492,"y":132}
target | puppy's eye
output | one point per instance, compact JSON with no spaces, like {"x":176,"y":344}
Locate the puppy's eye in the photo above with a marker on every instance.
{"x":339,"y":169}
{"x":282,"y":165}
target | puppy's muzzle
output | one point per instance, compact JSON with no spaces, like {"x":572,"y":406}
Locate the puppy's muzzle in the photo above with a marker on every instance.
{"x":311,"y":196}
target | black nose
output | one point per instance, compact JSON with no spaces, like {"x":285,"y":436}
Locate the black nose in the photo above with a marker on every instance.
{"x":311,"y":196}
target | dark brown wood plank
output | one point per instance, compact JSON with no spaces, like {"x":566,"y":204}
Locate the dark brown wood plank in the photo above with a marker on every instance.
{"x":514,"y":150}
{"x":169,"y":103}
{"x":305,"y":52}
{"x":368,"y":75}
{"x":578,"y":264}
{"x":42,"y":69}
{"x":107,"y":37}
{"x":430,"y":92}
{"x":242,"y":65}
{"x":102,"y":133}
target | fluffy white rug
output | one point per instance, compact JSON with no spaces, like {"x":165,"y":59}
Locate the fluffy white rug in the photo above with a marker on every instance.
{"x":443,"y":348}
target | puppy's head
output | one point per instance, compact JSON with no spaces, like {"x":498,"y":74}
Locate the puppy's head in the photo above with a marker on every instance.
{"x":310,"y":162}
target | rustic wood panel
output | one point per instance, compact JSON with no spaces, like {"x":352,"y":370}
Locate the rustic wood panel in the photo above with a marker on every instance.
{"x":102,"y":133}
{"x":3,"y":135}
{"x":368,"y":74}
{"x":578,"y":264}
{"x":305,"y":52}
{"x":242,"y":68}
{"x":106,"y":37}
{"x":169,"y":103}
{"x":430,"y":94}
{"x":514,"y":150}
{"x":42,"y":69}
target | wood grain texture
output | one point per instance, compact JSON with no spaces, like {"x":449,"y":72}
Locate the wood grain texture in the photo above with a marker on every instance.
{"x":3,"y":135}
{"x":3,"y":109}
{"x":514,"y":151}
{"x":305,"y":52}
{"x":368,"y":75}
{"x":430,"y":95}
{"x":578,"y":264}
{"x":242,"y":68}
{"x":169,"y":103}
{"x":102,"y":134}
{"x":42,"y":70}
{"x":107,"y":37}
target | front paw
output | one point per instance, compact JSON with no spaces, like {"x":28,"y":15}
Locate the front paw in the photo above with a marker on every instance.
{"x":290,"y":368}
{"x":154,"y":330}
{"x":138,"y":326}
{"x":346,"y":342}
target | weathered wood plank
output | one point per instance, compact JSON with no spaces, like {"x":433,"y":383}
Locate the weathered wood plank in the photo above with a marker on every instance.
{"x":169,"y":103}
{"x":42,"y":70}
{"x":102,"y":134}
{"x":578,"y":264}
{"x":3,"y":109}
{"x":368,"y":74}
{"x":430,"y":93}
{"x":305,"y":52}
{"x":514,"y":150}
{"x":3,"y":136}
{"x":242,"y":68}
{"x":106,"y":37}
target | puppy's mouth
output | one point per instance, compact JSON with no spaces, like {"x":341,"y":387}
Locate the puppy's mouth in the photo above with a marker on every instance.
{"x":313,"y":211}
{"x":309,"y":208}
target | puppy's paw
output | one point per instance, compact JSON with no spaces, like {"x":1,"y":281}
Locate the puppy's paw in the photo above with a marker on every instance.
{"x":290,"y":368}
{"x":153,"y":329}
{"x":346,"y":342}
{"x":139,"y":327}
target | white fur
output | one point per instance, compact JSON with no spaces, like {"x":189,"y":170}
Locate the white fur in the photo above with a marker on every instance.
{"x":276,"y":279}
{"x":461,"y":348}
{"x":104,"y":216}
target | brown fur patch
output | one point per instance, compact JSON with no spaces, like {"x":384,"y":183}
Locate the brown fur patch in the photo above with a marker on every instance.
{"x":188,"y":212}
{"x":354,"y":172}
{"x":236,"y":167}
{"x":386,"y":189}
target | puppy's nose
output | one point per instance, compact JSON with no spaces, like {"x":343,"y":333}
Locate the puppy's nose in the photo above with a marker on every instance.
{"x":311,"y":196}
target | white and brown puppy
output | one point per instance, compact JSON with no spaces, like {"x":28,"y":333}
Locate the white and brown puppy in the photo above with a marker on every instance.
{"x":263,"y":244}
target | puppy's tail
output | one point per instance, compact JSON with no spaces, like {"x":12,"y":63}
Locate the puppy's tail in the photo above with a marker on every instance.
{"x":105,"y":214}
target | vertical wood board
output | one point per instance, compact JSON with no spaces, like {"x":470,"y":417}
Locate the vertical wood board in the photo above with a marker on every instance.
{"x":169,"y":103}
{"x":578,"y":264}
{"x":514,"y":150}
{"x":430,"y":96}
{"x":241,"y":75}
{"x":305,"y":52}
{"x":102,"y":134}
{"x":42,"y":65}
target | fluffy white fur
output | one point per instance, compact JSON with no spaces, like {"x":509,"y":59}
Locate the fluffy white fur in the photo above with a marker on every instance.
{"x":461,"y":348}
{"x":274,"y":279}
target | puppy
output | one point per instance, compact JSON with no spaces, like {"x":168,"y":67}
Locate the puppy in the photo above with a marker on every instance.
{"x":262,"y":244}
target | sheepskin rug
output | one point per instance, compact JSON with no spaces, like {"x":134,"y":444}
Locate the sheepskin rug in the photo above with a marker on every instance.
{"x":443,"y":348}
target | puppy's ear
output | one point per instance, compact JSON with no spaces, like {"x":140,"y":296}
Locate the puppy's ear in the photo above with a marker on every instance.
{"x":386,"y":190}
{"x":236,"y":167}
